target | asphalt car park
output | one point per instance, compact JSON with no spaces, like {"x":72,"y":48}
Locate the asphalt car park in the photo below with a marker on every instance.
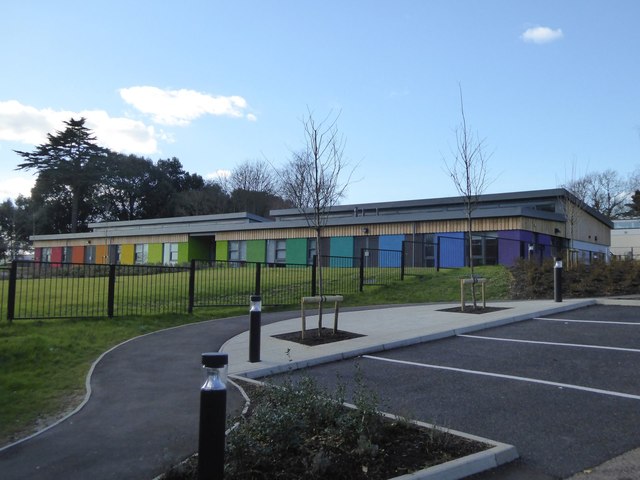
{"x":564,"y":390}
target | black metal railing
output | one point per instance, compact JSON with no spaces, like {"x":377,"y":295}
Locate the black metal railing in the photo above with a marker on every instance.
{"x":70,"y":290}
{"x":379,"y":266}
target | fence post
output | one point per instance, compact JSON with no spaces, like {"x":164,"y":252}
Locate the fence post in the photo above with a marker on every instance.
{"x":111,"y":295}
{"x":314,"y":272}
{"x":437,"y":254}
{"x":258,"y":279}
{"x":192,"y":286}
{"x":11,"y":294}
{"x":403,"y":252}
{"x":361,"y":269}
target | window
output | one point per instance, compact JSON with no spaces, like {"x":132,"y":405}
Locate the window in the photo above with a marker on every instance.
{"x":281,"y":251}
{"x":46,"y":254}
{"x":115,"y":251}
{"x":170,"y":253}
{"x":141,"y":253}
{"x":238,"y":250}
{"x":430,"y":251}
{"x":485,"y":250}
{"x":311,"y":250}
{"x":66,"y":254}
{"x":90,"y":254}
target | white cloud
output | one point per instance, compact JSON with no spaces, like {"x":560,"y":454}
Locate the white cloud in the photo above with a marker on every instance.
{"x":218,"y":175}
{"x":30,"y":125}
{"x":181,"y":107}
{"x":541,"y":35}
{"x":11,"y":187}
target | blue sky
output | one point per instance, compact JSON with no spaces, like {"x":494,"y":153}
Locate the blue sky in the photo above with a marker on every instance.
{"x":552,"y":86}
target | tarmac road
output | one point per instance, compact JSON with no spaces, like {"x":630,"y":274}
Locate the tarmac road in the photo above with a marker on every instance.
{"x":539,"y":385}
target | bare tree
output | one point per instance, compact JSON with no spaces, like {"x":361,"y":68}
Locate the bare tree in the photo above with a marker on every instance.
{"x":468,"y":171}
{"x":252,"y":176}
{"x":314,"y":180}
{"x":604,"y":191}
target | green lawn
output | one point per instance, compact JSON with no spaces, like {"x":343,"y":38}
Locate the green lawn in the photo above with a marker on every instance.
{"x":43,"y":363}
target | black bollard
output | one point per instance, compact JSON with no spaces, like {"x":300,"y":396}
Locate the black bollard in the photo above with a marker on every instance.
{"x":213,"y":417}
{"x":254,"y":329}
{"x":557,"y":280}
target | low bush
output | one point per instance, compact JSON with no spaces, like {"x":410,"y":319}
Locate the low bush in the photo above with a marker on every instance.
{"x":534,"y":280}
{"x":299,"y":430}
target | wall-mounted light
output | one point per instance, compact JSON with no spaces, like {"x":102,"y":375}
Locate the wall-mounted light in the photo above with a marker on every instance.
{"x":365,"y":230}
{"x":556,"y":231}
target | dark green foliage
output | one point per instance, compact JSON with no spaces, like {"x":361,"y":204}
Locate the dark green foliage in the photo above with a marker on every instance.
{"x":532,"y":280}
{"x":306,"y":429}
{"x":72,"y":163}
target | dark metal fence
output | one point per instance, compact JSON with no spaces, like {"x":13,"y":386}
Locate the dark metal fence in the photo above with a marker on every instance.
{"x":379,"y":267}
{"x":32,"y":290}
{"x":230,"y":283}
{"x":70,"y":290}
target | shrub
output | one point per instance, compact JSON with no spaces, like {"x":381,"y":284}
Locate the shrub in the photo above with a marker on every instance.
{"x":533,"y":280}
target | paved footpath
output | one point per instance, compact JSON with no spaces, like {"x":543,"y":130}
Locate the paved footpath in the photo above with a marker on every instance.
{"x":141,"y":415}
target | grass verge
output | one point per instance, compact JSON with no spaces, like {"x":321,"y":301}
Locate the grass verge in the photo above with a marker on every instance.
{"x":43,"y":363}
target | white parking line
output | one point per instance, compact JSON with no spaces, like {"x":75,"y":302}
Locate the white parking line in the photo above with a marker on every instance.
{"x":558,"y":344}
{"x":509,"y":377}
{"x":566,"y":320}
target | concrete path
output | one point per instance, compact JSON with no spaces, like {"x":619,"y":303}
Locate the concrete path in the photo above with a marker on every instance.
{"x":141,"y":415}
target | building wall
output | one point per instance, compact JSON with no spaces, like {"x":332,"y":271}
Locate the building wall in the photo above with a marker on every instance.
{"x":256,"y":251}
{"x":102,"y":254}
{"x":56,"y":254}
{"x":452,"y":250}
{"x":297,"y":251}
{"x":222,"y":250}
{"x":341,"y":247}
{"x":183,"y":253}
{"x":77,"y":254}
{"x":155,"y":253}
{"x":389,"y":242}
{"x":127,"y":254}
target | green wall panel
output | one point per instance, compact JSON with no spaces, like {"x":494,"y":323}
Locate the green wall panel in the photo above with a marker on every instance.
{"x":155,"y":253}
{"x":222,"y":250}
{"x":256,"y":251}
{"x":183,"y":253}
{"x":297,"y":251}
{"x":341,"y":247}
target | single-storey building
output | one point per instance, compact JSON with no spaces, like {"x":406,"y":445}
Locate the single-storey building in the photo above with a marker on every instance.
{"x":625,"y":238}
{"x":429,"y":232}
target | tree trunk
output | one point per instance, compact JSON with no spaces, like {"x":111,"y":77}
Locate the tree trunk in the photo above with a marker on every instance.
{"x":75,"y":206}
{"x":320,"y":280}
{"x":473,"y":283}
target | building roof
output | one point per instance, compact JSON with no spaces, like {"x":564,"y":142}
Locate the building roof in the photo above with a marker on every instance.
{"x":534,"y":204}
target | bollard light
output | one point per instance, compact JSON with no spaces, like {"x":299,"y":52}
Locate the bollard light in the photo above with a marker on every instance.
{"x":557,"y":280}
{"x":255,"y":316}
{"x":213,"y":413}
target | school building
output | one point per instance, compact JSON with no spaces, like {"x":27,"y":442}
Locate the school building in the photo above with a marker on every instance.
{"x":430,"y":232}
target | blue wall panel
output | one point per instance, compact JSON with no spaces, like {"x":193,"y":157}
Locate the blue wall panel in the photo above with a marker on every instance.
{"x":452,"y":246}
{"x":390,"y":242}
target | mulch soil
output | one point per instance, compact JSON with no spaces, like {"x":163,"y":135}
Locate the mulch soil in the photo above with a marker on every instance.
{"x":311,"y":337}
